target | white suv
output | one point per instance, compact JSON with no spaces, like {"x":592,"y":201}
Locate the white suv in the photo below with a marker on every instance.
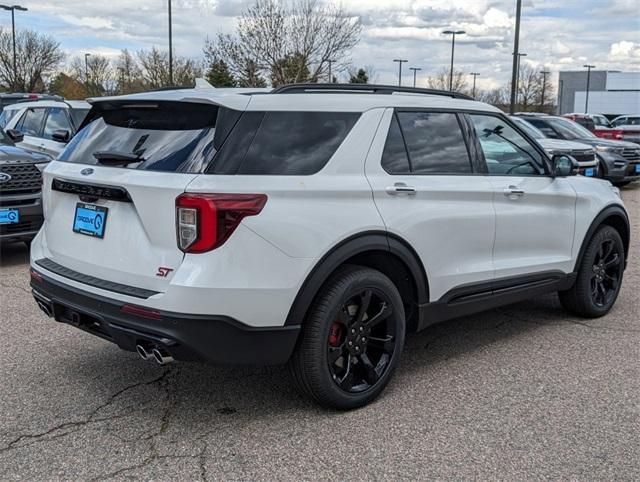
{"x":312,"y":226}
{"x":45,"y":125}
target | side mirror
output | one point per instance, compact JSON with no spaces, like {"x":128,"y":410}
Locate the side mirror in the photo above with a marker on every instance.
{"x":61,"y":135}
{"x":564,"y":165}
{"x":15,"y":135}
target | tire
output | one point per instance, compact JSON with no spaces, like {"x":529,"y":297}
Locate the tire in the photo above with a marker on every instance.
{"x":324,"y":366}
{"x":599,"y":276}
{"x":621,"y":184}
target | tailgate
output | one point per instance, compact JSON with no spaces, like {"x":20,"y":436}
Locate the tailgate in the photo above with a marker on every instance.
{"x":138,"y":236}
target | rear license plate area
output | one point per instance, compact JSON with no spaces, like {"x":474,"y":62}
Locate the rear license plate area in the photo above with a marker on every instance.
{"x":90,"y":220}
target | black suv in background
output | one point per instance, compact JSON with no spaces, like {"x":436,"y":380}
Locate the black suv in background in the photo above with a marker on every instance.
{"x":20,"y":189}
{"x":619,"y":160}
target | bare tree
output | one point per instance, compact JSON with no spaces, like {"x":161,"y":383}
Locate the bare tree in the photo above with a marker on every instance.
{"x":289,"y":41}
{"x":530,"y":89}
{"x":154,"y":65}
{"x":128,"y":73}
{"x":96,"y":74}
{"x":38,"y":55}
{"x":498,"y":97}
{"x":441,"y":81}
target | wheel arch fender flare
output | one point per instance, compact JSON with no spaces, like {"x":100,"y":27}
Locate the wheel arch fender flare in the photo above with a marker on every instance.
{"x":612,"y":215}
{"x":357,"y":244}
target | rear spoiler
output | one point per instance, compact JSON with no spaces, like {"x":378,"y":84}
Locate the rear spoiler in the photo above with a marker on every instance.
{"x":231,"y":101}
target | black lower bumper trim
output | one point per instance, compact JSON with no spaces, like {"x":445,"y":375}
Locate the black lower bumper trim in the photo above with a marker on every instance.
{"x":215,"y":339}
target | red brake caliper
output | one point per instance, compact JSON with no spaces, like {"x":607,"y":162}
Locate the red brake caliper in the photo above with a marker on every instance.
{"x":335,"y":334}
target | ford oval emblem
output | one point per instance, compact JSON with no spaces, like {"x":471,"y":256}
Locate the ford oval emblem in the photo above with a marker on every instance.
{"x":87,"y":171}
{"x":4,"y":177}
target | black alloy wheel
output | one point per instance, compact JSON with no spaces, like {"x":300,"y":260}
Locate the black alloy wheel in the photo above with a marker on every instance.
{"x":361,"y":341}
{"x":351,"y":339}
{"x":598,"y":277}
{"x":606,"y":273}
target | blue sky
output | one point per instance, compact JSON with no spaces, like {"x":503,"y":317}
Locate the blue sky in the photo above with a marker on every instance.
{"x":561,"y":35}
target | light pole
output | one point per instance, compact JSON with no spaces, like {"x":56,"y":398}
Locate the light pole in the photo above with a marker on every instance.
{"x":13,"y":8}
{"x":170,"y":49}
{"x":400,"y":62}
{"x":86,"y":68}
{"x":415,"y":70}
{"x":518,"y":75}
{"x":544,"y":74}
{"x":453,"y":34}
{"x":331,"y":61}
{"x":516,"y":48}
{"x":586,"y":101}
{"x":475,"y":76}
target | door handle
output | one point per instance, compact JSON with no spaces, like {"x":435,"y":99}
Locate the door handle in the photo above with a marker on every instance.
{"x":401,"y":188}
{"x":513,"y":191}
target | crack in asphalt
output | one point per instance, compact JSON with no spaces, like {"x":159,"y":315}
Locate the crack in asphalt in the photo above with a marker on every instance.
{"x":171,"y":403}
{"x":81,"y":423}
{"x":22,"y":288}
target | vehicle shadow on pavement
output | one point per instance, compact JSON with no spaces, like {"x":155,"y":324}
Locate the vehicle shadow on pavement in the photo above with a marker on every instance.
{"x":14,"y":254}
{"x":207,"y":394}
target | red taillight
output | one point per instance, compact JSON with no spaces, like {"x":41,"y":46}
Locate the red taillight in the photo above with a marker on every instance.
{"x":205,"y":221}
{"x":35,"y":275}
{"x":140,"y":311}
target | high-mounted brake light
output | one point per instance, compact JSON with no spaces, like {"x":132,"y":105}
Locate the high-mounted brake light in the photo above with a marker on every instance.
{"x":205,"y":221}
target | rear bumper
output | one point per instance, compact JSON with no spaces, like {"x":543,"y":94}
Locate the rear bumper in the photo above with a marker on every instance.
{"x":215,"y":339}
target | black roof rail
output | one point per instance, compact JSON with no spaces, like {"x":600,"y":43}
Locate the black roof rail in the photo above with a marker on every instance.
{"x":362,"y":88}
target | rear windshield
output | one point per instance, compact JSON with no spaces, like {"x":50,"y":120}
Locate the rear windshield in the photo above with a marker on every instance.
{"x":164,"y":136}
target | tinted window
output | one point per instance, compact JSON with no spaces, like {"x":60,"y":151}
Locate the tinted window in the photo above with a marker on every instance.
{"x":394,"y":157}
{"x":6,"y":116}
{"x":569,"y":130}
{"x":56,"y":120}
{"x":31,"y":122}
{"x":505,"y":150}
{"x":585,"y":122}
{"x":435,"y":143}
{"x":283,"y":143}
{"x":531,"y":131}
{"x":165,"y":136}
{"x":78,"y":115}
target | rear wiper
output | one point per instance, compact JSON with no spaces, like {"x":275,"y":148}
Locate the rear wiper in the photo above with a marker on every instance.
{"x":116,"y":157}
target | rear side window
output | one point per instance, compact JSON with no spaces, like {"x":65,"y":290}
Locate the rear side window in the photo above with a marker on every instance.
{"x":424,"y":143}
{"x":283,"y":143}
{"x":394,"y":157}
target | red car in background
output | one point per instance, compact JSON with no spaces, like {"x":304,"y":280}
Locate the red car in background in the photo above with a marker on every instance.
{"x":598,"y":124}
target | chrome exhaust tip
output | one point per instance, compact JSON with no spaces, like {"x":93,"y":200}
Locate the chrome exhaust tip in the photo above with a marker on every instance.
{"x":162,"y":357}
{"x":144,"y":354}
{"x":44,"y":307}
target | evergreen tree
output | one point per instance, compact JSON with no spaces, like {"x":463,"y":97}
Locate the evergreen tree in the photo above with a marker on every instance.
{"x":219,"y":75}
{"x":360,"y":78}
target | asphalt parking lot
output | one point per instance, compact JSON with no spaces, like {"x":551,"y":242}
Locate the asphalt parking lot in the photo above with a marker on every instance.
{"x":516,"y":393}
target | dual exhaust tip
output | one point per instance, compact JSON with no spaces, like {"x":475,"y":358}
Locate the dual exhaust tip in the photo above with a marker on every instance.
{"x":161,"y":356}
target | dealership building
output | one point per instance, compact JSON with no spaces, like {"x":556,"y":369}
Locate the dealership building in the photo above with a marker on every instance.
{"x":610,"y":93}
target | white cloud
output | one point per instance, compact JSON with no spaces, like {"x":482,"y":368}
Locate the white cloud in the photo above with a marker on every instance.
{"x":559,"y":35}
